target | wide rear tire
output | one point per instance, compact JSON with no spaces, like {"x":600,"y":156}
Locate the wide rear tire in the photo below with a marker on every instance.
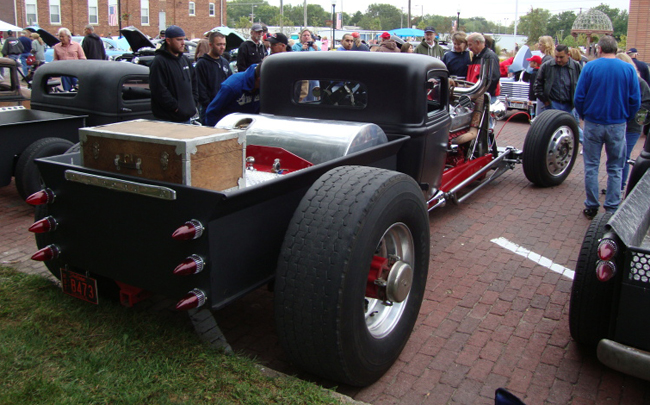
{"x":28,"y":178}
{"x":591,"y":300}
{"x":325,"y":318}
{"x":550,"y":148}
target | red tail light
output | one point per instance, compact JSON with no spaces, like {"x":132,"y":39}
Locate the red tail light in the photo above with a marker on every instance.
{"x":607,"y":249}
{"x":44,"y":225}
{"x":190,"y":230}
{"x":45,"y":196}
{"x":605,"y":270}
{"x":193,"y":299}
{"x":192,"y":265}
{"x":47,"y":253}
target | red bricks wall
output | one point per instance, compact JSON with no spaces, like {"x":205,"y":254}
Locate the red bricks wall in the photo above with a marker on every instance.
{"x":74,"y":16}
{"x":638,"y":35}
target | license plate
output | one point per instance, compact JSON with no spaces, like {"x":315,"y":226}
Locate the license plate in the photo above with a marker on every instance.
{"x":518,"y":105}
{"x":79,"y":286}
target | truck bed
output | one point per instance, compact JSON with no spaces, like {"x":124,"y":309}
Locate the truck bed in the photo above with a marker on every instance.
{"x":126,"y":235}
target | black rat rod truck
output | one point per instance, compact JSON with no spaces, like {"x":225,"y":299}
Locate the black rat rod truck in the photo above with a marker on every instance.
{"x":329,"y":200}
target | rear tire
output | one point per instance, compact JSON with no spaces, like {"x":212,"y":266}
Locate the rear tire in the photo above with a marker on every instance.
{"x":550,"y":148}
{"x":325,"y":319}
{"x":591,"y":300}
{"x":28,"y":179}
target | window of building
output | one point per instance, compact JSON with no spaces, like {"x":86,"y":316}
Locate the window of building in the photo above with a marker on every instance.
{"x":93,"y":17}
{"x":144,"y":12}
{"x":55,"y":11}
{"x":31,"y":14}
{"x":192,"y":8}
{"x":211,"y":9}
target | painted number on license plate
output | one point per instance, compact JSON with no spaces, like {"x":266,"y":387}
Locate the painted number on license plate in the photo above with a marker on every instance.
{"x":79,"y":286}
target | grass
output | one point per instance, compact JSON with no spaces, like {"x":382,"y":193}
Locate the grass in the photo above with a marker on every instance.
{"x":58,"y":349}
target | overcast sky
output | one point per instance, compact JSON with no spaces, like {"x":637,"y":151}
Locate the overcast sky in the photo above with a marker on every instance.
{"x":495,"y":10}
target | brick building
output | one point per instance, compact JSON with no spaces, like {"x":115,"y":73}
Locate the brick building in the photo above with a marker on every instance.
{"x":150,"y":16}
{"x":638,"y":34}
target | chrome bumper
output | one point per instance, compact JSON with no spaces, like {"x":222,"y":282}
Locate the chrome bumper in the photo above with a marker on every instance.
{"x":624,"y":358}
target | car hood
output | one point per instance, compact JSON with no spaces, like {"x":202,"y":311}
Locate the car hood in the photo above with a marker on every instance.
{"x":136,"y":38}
{"x":49,"y":39}
{"x":233,"y":38}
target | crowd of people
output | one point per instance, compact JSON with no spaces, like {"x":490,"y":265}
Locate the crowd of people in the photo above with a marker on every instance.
{"x":561,"y":79}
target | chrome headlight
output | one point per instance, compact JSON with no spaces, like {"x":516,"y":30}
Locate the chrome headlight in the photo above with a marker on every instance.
{"x":498,"y":109}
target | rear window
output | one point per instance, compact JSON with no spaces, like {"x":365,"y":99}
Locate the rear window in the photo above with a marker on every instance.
{"x":136,"y":89}
{"x":337,"y":93}
{"x":63,"y":86}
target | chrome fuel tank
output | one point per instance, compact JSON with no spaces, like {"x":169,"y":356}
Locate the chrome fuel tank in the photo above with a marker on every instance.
{"x":316,"y":141}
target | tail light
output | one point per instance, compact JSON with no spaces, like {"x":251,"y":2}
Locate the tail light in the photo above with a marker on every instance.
{"x":607,"y":249}
{"x":45,"y":196}
{"x":44,"y":225}
{"x":193,"y":299}
{"x":192,"y":265}
{"x":192,"y":229}
{"x":47,"y":253}
{"x":605,"y":270}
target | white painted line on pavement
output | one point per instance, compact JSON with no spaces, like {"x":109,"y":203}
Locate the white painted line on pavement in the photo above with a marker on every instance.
{"x":541,"y":260}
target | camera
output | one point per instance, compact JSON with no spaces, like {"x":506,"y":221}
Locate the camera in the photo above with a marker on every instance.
{"x":310,"y":44}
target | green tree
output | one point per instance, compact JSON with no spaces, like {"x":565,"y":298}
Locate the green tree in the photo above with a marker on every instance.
{"x":369,"y":23}
{"x":559,"y":25}
{"x":388,"y":15}
{"x":534,"y":24}
{"x":618,"y":17}
{"x":354,"y":19}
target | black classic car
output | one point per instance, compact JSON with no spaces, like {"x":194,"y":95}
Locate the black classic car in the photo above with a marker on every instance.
{"x":328,"y":205}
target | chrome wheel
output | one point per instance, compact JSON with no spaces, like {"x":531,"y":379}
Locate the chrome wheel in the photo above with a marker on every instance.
{"x":559,"y":151}
{"x":383,"y":314}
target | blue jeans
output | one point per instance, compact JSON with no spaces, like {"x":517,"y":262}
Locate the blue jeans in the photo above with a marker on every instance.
{"x":556,"y":105}
{"x":23,"y":60}
{"x":630,"y":141}
{"x":613,"y":137}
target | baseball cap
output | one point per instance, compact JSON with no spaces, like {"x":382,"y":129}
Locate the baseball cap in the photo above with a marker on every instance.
{"x":10,"y":33}
{"x":174,"y":31}
{"x":355,"y":35}
{"x":257,"y":27}
{"x":277,"y":38}
{"x":536,"y":58}
{"x":632,"y":50}
{"x":429,"y":29}
{"x":385,"y":35}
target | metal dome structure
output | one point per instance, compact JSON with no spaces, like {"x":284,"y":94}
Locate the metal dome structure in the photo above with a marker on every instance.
{"x":592,"y":22}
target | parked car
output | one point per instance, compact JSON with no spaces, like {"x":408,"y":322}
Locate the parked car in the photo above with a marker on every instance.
{"x":143,"y":49}
{"x":328,"y":202}
{"x":111,"y":46}
{"x":610,"y":296}
{"x":52,"y":124}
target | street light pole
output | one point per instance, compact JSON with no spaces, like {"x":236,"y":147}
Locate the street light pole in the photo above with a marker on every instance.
{"x":333,"y":21}
{"x":457,"y":19}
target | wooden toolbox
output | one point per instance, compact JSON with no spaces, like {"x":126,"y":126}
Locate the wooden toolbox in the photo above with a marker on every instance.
{"x":204,"y":157}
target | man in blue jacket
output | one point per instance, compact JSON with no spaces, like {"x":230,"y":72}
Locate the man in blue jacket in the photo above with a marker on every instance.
{"x":239,"y":93}
{"x":606,"y":96}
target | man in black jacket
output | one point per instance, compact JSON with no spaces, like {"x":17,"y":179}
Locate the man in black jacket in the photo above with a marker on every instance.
{"x":211,"y":70}
{"x":556,"y":81}
{"x":93,"y":45}
{"x":171,"y":79}
{"x":252,"y":50}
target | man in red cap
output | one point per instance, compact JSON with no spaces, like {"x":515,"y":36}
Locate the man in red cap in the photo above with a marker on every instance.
{"x":387,"y":43}
{"x":535,"y":63}
{"x":358,"y":45}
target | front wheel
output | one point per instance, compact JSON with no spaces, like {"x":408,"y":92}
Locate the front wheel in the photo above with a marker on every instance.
{"x":351,"y":273}
{"x":550,"y":148}
{"x":591,"y":300}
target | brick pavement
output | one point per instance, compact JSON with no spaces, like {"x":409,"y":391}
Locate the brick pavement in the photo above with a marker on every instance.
{"x":490,"y":318}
